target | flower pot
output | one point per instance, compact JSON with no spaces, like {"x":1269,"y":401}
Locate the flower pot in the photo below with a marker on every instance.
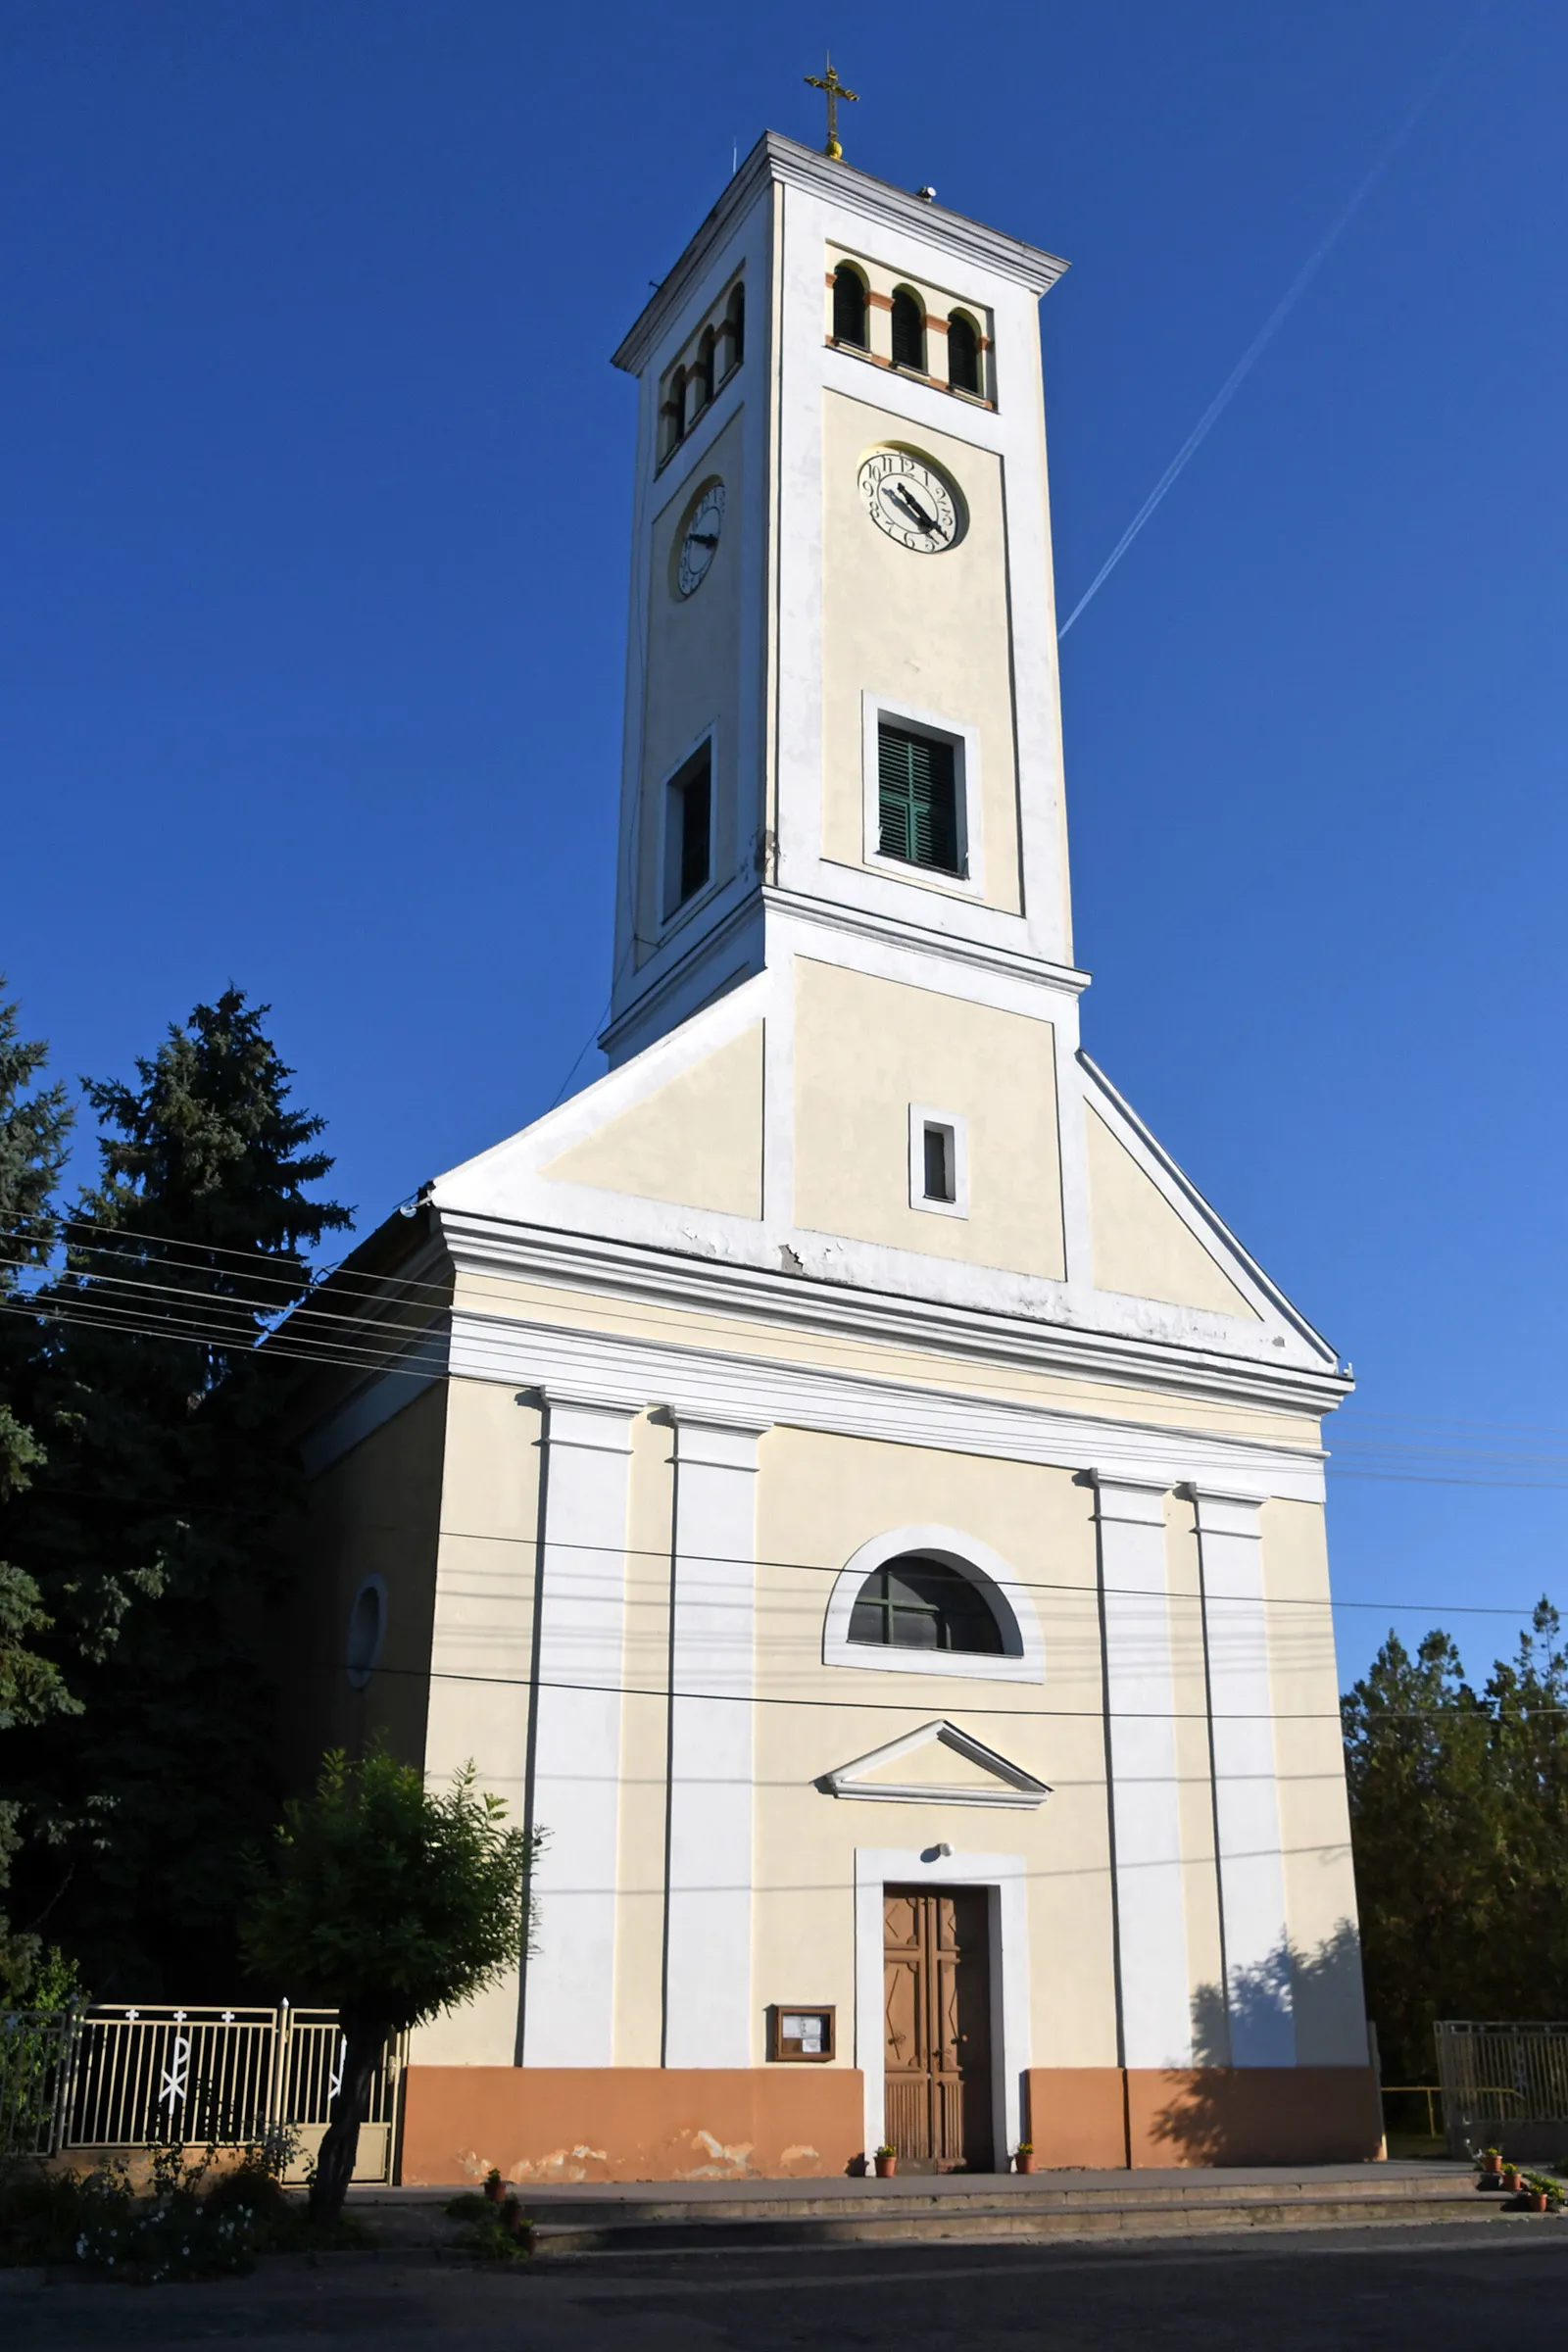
{"x":1490,"y":2164}
{"x":1510,"y":2177}
{"x":495,"y":2188}
{"x":1535,"y":2200}
{"x":1025,"y":2160}
{"x":886,"y":2166}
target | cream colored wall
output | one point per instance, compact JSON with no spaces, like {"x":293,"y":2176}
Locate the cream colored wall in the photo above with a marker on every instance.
{"x":867,"y":1048}
{"x":693,"y":678}
{"x":930,"y":631}
{"x":645,"y":1750}
{"x":480,"y":1652}
{"x":1314,"y":1816}
{"x":374,"y":1509}
{"x":1141,"y":1246}
{"x":697,"y":1140}
{"x":821,"y":1497}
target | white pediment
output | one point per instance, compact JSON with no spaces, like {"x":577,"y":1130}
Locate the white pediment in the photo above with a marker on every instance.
{"x":940,"y":1765}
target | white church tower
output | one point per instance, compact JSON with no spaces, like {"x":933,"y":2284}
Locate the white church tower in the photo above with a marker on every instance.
{"x":844,"y":1402}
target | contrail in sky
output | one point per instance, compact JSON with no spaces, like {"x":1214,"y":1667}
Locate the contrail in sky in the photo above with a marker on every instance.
{"x":1272,"y":324}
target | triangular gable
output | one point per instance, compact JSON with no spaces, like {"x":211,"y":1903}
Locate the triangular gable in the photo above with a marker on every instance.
{"x":889,"y":1775}
{"x":695,"y":1141}
{"x":1142,"y":1247}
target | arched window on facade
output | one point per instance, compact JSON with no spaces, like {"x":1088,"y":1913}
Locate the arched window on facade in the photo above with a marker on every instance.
{"x":964,"y":354}
{"x":908,"y":330}
{"x":849,"y":306}
{"x":672,"y":415}
{"x":735,"y":327}
{"x":919,"y":1603}
{"x":704,"y":369}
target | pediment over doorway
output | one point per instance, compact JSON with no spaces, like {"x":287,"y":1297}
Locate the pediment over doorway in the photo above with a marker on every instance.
{"x":938,"y":1764}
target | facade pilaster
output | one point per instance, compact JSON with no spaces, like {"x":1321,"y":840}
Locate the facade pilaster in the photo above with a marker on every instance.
{"x":708,"y":1918}
{"x":567,"y":2009}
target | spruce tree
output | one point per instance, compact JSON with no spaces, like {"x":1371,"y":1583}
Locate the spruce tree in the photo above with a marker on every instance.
{"x":34,"y":1133}
{"x":165,"y":1531}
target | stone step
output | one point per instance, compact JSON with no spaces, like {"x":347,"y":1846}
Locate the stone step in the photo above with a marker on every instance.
{"x":713,"y":2231}
{"x":775,"y":2201}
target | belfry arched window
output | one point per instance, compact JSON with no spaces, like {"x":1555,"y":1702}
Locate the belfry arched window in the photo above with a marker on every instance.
{"x":908,"y":330}
{"x":672,"y":415}
{"x":849,"y":306}
{"x":914,"y":1603}
{"x":704,"y":369}
{"x":735,"y":327}
{"x":964,"y":354}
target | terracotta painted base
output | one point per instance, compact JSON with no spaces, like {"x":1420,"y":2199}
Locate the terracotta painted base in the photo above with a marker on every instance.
{"x":539,"y":2124}
{"x":1144,"y":2118}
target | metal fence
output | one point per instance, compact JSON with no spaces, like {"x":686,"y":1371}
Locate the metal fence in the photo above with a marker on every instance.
{"x":1506,"y":2084}
{"x":121,"y":2076}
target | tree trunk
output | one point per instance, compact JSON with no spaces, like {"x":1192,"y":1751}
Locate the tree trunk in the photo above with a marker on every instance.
{"x":365,"y":2039}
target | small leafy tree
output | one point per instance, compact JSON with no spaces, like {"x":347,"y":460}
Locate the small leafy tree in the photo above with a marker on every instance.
{"x":389,"y":1903}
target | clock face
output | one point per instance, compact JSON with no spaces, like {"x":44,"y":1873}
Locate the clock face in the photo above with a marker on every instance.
{"x":700,"y":540}
{"x":909,"y":501}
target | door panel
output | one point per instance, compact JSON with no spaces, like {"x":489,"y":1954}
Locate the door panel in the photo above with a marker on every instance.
{"x":937,"y":2013}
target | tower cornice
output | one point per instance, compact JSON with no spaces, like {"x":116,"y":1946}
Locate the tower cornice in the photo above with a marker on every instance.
{"x":777,"y":160}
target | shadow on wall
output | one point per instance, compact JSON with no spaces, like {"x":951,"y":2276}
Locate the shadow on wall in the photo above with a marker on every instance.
{"x":1322,"y":2108}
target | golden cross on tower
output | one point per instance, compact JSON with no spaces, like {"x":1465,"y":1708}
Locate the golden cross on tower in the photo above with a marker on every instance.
{"x":834,"y":89}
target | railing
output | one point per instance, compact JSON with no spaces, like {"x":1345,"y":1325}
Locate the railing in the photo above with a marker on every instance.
{"x":1501,"y":2076}
{"x":1431,"y":2092}
{"x":120,"y":2076}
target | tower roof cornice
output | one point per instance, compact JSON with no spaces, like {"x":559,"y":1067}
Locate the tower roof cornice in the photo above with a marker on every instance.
{"x":779,"y":160}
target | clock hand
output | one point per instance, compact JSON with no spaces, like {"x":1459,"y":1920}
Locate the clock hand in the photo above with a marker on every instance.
{"x":703,"y":538}
{"x":927,"y":523}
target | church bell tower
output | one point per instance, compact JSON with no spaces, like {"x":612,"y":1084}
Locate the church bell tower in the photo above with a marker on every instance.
{"x":841,"y":710}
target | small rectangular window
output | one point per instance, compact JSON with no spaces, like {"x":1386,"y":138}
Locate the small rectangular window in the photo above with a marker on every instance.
{"x":689,"y":829}
{"x":917,"y":800}
{"x":938,"y":1163}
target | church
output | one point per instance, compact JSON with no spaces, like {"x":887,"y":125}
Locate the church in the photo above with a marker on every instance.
{"x":836,"y":1476}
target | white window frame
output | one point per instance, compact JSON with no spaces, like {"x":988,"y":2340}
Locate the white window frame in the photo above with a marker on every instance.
{"x":1022,"y":1659}
{"x":969,"y":883}
{"x":922,"y":1117}
{"x":676,"y":916}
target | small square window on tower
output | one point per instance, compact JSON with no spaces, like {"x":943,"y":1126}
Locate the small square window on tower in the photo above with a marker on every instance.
{"x":939,"y":1161}
{"x":689,"y":828}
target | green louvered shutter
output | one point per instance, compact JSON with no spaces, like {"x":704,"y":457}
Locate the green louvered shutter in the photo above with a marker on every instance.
{"x":919,"y":806}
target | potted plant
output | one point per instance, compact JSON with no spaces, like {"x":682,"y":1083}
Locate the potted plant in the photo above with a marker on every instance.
{"x":1536,"y":2194}
{"x":885,"y":2161}
{"x":494,"y":2188}
{"x":1024,"y":2160}
{"x":1489,"y":2168}
{"x":1512,"y":2179}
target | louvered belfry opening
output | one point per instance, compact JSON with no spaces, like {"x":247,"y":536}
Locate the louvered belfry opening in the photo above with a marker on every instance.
{"x":908,"y":331}
{"x":917,"y":797}
{"x":849,"y":306}
{"x":964,"y":354}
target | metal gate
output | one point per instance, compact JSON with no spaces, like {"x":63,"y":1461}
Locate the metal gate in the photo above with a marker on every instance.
{"x":117,"y":2077}
{"x":1504,"y":2084}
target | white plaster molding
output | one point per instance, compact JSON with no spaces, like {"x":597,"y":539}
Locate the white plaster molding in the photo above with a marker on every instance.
{"x":707,"y":1947}
{"x":1005,"y":1877}
{"x":1013,"y":1787}
{"x":1144,"y":1794}
{"x":568,"y":2008}
{"x":1023,"y":1655}
{"x":1248,"y":1840}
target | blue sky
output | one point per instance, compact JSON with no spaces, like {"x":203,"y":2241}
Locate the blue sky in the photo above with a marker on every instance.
{"x":317,"y":485}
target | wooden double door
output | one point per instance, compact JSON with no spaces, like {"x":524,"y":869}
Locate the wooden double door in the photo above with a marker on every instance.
{"x":936,"y":1952}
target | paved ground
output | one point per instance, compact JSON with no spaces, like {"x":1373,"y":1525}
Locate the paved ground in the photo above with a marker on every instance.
{"x":1442,"y":2289}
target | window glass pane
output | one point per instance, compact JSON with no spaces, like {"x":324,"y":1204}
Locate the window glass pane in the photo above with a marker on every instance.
{"x":908,"y":331}
{"x":963,"y":354}
{"x":917,"y":800}
{"x":915,"y":1603}
{"x":938,"y":1167}
{"x":695,"y":825}
{"x":849,"y":306}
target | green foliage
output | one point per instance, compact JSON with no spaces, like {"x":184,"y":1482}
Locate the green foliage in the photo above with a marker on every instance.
{"x":164,"y":1528}
{"x":1459,"y":1816}
{"x":34,"y":1133}
{"x":386,"y":1900}
{"x":501,"y":2232}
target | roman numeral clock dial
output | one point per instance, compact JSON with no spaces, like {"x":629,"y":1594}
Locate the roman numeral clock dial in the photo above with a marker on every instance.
{"x":699,"y":541}
{"x":909,"y":501}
